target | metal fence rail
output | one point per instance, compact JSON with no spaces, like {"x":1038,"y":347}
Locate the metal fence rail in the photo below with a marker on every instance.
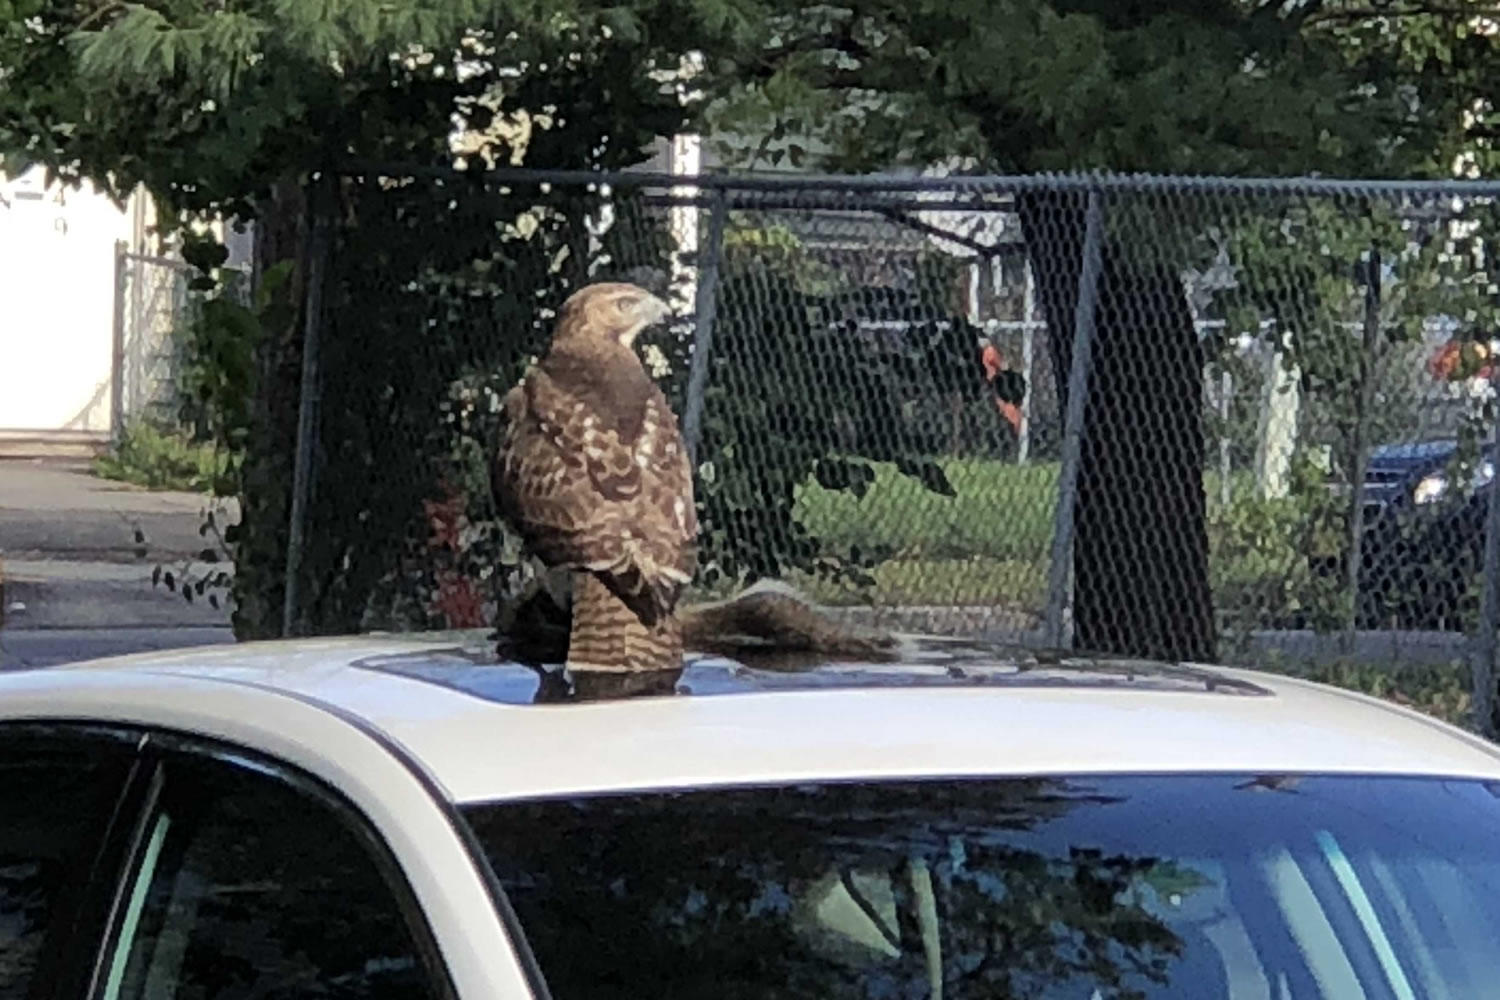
{"x":1169,"y":416}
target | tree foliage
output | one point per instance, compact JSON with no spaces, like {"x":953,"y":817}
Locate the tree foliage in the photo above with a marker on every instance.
{"x":1230,"y":86}
{"x":433,"y":284}
{"x":237,"y":111}
{"x":229,"y":110}
{"x":1225,"y":86}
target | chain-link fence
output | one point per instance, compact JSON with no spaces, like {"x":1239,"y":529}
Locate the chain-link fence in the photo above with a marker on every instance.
{"x":154,"y":303}
{"x":150,"y":300}
{"x":1159,"y":416}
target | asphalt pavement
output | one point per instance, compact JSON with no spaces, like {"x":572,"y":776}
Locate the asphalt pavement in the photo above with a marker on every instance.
{"x":77,"y":555}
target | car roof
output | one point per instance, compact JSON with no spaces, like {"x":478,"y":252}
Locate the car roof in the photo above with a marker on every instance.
{"x":483,"y":729}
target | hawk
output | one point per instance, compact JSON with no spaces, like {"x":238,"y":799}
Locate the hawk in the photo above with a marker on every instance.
{"x":593,"y":474}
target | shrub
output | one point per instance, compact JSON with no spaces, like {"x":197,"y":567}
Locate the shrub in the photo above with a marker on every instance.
{"x":159,"y":456}
{"x":1268,"y":556}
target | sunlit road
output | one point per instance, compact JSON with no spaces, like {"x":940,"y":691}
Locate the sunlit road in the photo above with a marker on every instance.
{"x":76,"y":580}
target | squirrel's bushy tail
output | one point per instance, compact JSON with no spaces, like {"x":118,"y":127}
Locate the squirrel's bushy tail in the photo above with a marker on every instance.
{"x":773,"y":617}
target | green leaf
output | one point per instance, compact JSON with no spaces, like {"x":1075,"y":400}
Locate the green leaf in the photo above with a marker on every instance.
{"x":205,"y":254}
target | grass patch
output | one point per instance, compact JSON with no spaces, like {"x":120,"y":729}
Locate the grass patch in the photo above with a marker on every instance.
{"x":160,"y":458}
{"x":991,"y":543}
{"x":1001,"y":512}
{"x":1005,"y":583}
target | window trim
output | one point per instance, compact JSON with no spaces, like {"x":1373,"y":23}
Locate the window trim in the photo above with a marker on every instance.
{"x":66,"y":957}
{"x":158,"y":747}
{"x":104,"y":948}
{"x":520,"y":945}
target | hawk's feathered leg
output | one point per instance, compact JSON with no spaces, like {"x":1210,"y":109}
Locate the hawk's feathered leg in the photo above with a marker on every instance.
{"x":607,"y":635}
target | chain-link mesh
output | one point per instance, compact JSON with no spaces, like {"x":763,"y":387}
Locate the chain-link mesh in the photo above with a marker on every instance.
{"x":886,"y":372}
{"x":153,"y":299}
{"x":157,"y":303}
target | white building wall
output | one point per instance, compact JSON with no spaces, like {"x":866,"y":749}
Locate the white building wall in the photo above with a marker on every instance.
{"x":57,"y":280}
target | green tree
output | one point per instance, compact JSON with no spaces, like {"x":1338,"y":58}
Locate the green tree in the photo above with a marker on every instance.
{"x":237,"y":110}
{"x":1228,"y":86}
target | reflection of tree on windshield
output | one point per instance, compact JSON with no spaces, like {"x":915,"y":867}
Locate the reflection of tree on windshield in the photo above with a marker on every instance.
{"x":898,"y":890}
{"x":27,"y":889}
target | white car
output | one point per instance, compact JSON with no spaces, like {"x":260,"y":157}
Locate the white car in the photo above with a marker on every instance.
{"x":397,"y":817}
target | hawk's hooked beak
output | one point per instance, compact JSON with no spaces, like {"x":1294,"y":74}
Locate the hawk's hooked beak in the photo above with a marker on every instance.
{"x":649,"y":311}
{"x":654,"y":310}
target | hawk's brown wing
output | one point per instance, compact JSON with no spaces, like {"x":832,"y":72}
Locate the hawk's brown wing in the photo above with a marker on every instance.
{"x":584,"y":494}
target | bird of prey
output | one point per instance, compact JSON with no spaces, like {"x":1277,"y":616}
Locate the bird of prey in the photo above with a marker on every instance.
{"x":593,"y":474}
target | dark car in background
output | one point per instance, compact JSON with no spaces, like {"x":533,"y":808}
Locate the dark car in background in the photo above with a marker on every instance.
{"x":1423,"y":537}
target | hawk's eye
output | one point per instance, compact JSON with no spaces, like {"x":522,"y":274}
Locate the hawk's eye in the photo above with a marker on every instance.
{"x":627,"y":303}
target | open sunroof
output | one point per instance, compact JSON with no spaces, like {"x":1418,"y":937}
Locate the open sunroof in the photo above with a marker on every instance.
{"x":478,"y":671}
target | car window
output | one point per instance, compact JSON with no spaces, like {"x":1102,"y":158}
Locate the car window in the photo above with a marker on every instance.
{"x":1222,"y":887}
{"x":58,"y":793}
{"x":251,"y":886}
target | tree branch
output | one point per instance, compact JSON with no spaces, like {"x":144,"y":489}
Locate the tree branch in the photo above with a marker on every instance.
{"x":841,"y":41}
{"x":99,"y":13}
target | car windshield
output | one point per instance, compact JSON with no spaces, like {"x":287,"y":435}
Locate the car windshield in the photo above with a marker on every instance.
{"x":1233,"y":886}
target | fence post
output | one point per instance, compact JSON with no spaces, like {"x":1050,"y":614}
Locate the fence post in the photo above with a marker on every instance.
{"x":1482,"y":675}
{"x":117,"y":345}
{"x":308,"y":400}
{"x":1060,"y":571}
{"x":1361,"y":445}
{"x":705,"y":308}
{"x":1028,"y":340}
{"x":1226,"y":457}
